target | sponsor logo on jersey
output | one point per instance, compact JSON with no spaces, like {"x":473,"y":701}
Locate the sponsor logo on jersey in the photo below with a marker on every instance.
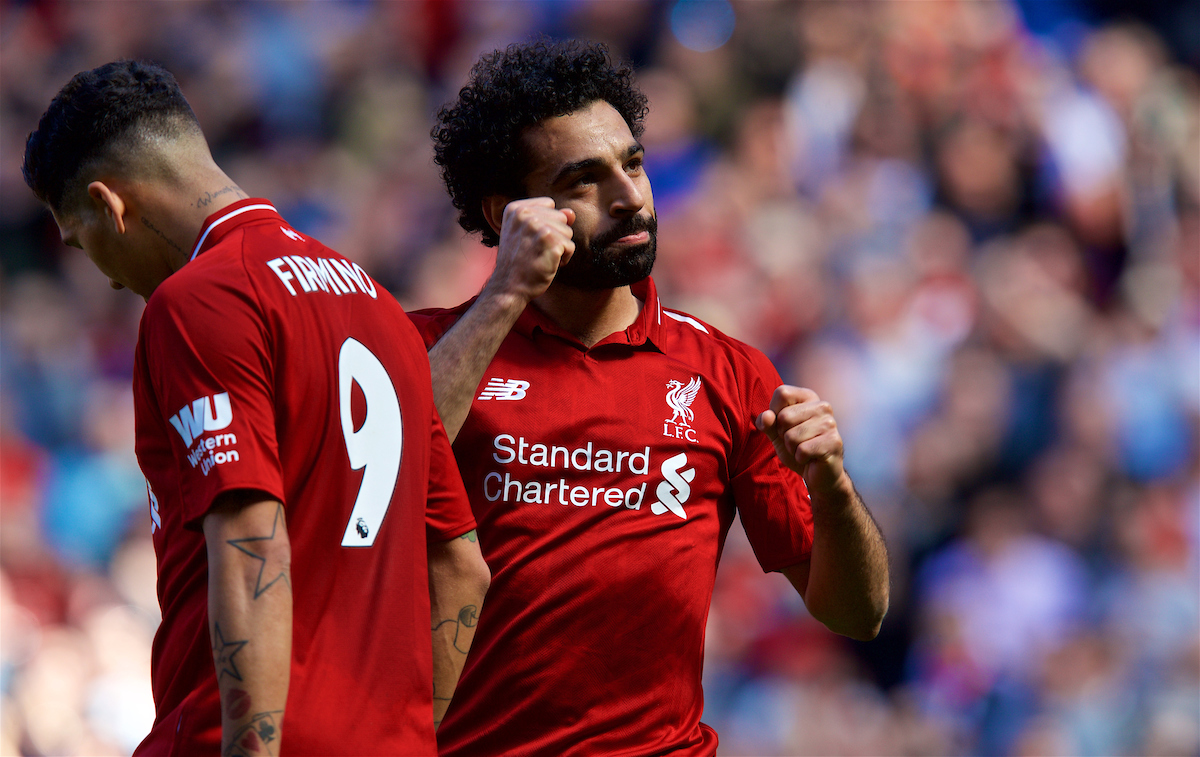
{"x":680,"y":398}
{"x":625,"y":489}
{"x":504,"y":389}
{"x":155,"y":518}
{"x":292,"y":235}
{"x":675,"y":489}
{"x":194,"y":420}
{"x":208,"y":413}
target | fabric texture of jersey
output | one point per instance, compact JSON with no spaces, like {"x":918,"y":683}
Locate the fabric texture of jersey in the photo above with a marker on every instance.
{"x":604,"y":481}
{"x":270,"y":362}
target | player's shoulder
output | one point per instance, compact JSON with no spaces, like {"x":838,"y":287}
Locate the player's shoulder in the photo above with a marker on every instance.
{"x":216,"y":273}
{"x":198,"y":303}
{"x":690,"y":338}
{"x":433,"y":323}
{"x":442,"y":314}
{"x":736,"y":367}
{"x":182,"y":289}
{"x":226,"y":277}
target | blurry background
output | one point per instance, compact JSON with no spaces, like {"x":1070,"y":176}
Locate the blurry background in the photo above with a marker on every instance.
{"x":972,"y":226}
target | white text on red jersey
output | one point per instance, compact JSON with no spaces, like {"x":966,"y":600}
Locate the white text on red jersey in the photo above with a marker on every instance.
{"x":329,"y":275}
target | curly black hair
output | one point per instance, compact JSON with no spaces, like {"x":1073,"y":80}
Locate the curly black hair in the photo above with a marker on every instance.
{"x":477,"y":138}
{"x":94,"y":111}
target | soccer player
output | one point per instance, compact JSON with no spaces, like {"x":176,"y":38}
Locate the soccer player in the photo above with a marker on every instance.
{"x":607,"y":440}
{"x":305,"y":506}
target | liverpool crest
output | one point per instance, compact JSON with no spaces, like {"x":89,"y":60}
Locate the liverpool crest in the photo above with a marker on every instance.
{"x":679,"y":398}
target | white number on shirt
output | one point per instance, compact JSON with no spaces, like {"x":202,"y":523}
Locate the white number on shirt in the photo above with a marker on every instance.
{"x":376,"y":446}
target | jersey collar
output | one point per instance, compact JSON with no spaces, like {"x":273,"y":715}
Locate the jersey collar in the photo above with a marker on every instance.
{"x":231,"y":217}
{"x":643,"y":332}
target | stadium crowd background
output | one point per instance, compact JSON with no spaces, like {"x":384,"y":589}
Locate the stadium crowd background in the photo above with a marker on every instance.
{"x":972,"y":226}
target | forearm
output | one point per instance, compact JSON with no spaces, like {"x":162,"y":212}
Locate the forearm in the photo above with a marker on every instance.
{"x":847,"y":575}
{"x":458,"y":581}
{"x":250,"y":624}
{"x":461,"y":356}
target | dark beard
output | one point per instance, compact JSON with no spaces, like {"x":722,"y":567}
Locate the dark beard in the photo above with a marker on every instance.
{"x":599,"y":266}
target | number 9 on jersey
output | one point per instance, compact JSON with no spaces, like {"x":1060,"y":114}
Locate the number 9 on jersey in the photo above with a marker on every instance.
{"x":376,"y":446}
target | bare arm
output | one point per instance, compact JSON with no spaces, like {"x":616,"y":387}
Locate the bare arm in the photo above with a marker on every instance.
{"x":534,"y":239}
{"x":250,"y":618}
{"x":460,"y":357}
{"x":458,"y":581}
{"x":845,"y":582}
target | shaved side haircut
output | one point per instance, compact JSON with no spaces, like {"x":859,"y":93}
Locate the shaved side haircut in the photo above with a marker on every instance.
{"x":103,"y":115}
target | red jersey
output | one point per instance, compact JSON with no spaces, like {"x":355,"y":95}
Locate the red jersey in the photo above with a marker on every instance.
{"x":271,"y":362}
{"x":604,"y":481}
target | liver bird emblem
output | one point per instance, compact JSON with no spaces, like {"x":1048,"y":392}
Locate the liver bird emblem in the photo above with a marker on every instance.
{"x":680,"y":399}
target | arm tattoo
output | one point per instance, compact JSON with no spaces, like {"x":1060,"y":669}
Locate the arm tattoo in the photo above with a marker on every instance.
{"x":224,"y":652}
{"x":470,"y":536}
{"x":468,"y":616}
{"x":207,"y":198}
{"x":256,"y":737}
{"x":164,"y":237}
{"x":270,"y":570}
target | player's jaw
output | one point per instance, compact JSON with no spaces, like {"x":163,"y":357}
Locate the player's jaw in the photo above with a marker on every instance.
{"x":618,"y":256}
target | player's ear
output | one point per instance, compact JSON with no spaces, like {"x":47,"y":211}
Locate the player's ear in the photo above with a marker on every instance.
{"x":108,"y":202}
{"x":493,"y":210}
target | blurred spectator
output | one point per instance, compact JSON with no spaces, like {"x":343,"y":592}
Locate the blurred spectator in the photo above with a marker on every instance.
{"x":995,"y":603}
{"x":974,"y":227}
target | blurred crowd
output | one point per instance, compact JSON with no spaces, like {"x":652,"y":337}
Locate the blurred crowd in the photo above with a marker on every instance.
{"x":974,"y":227}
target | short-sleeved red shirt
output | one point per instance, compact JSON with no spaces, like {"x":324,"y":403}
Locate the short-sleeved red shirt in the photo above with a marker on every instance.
{"x":271,"y":362}
{"x":604,"y":481}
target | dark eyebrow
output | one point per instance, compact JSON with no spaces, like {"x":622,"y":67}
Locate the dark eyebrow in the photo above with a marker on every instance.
{"x":582,"y":165}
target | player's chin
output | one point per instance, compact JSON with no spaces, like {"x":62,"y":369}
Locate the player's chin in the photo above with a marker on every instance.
{"x":615,"y":267}
{"x":634,"y":264}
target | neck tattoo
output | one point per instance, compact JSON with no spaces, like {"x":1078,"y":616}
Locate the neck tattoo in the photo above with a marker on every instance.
{"x":208,"y":198}
{"x":164,"y":237}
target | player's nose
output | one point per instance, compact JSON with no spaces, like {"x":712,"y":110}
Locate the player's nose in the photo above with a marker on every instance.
{"x":628,"y":197}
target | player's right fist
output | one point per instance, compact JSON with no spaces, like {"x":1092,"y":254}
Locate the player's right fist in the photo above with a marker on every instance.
{"x":535,"y":239}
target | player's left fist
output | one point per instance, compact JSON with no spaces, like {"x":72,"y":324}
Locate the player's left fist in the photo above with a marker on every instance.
{"x":805,"y":434}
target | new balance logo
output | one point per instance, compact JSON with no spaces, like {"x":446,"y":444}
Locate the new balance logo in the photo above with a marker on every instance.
{"x":291,"y":234}
{"x":673,"y":492}
{"x":203,"y":414}
{"x":504,"y":389}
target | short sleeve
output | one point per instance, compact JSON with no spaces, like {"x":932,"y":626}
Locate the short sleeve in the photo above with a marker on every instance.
{"x":772,"y":499}
{"x":432,"y":324}
{"x":428,"y":326}
{"x":447,"y":510}
{"x":212,"y":378}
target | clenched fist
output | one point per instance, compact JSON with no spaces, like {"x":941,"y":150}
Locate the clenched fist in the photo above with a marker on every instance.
{"x":535,"y":239}
{"x":802,"y":427}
